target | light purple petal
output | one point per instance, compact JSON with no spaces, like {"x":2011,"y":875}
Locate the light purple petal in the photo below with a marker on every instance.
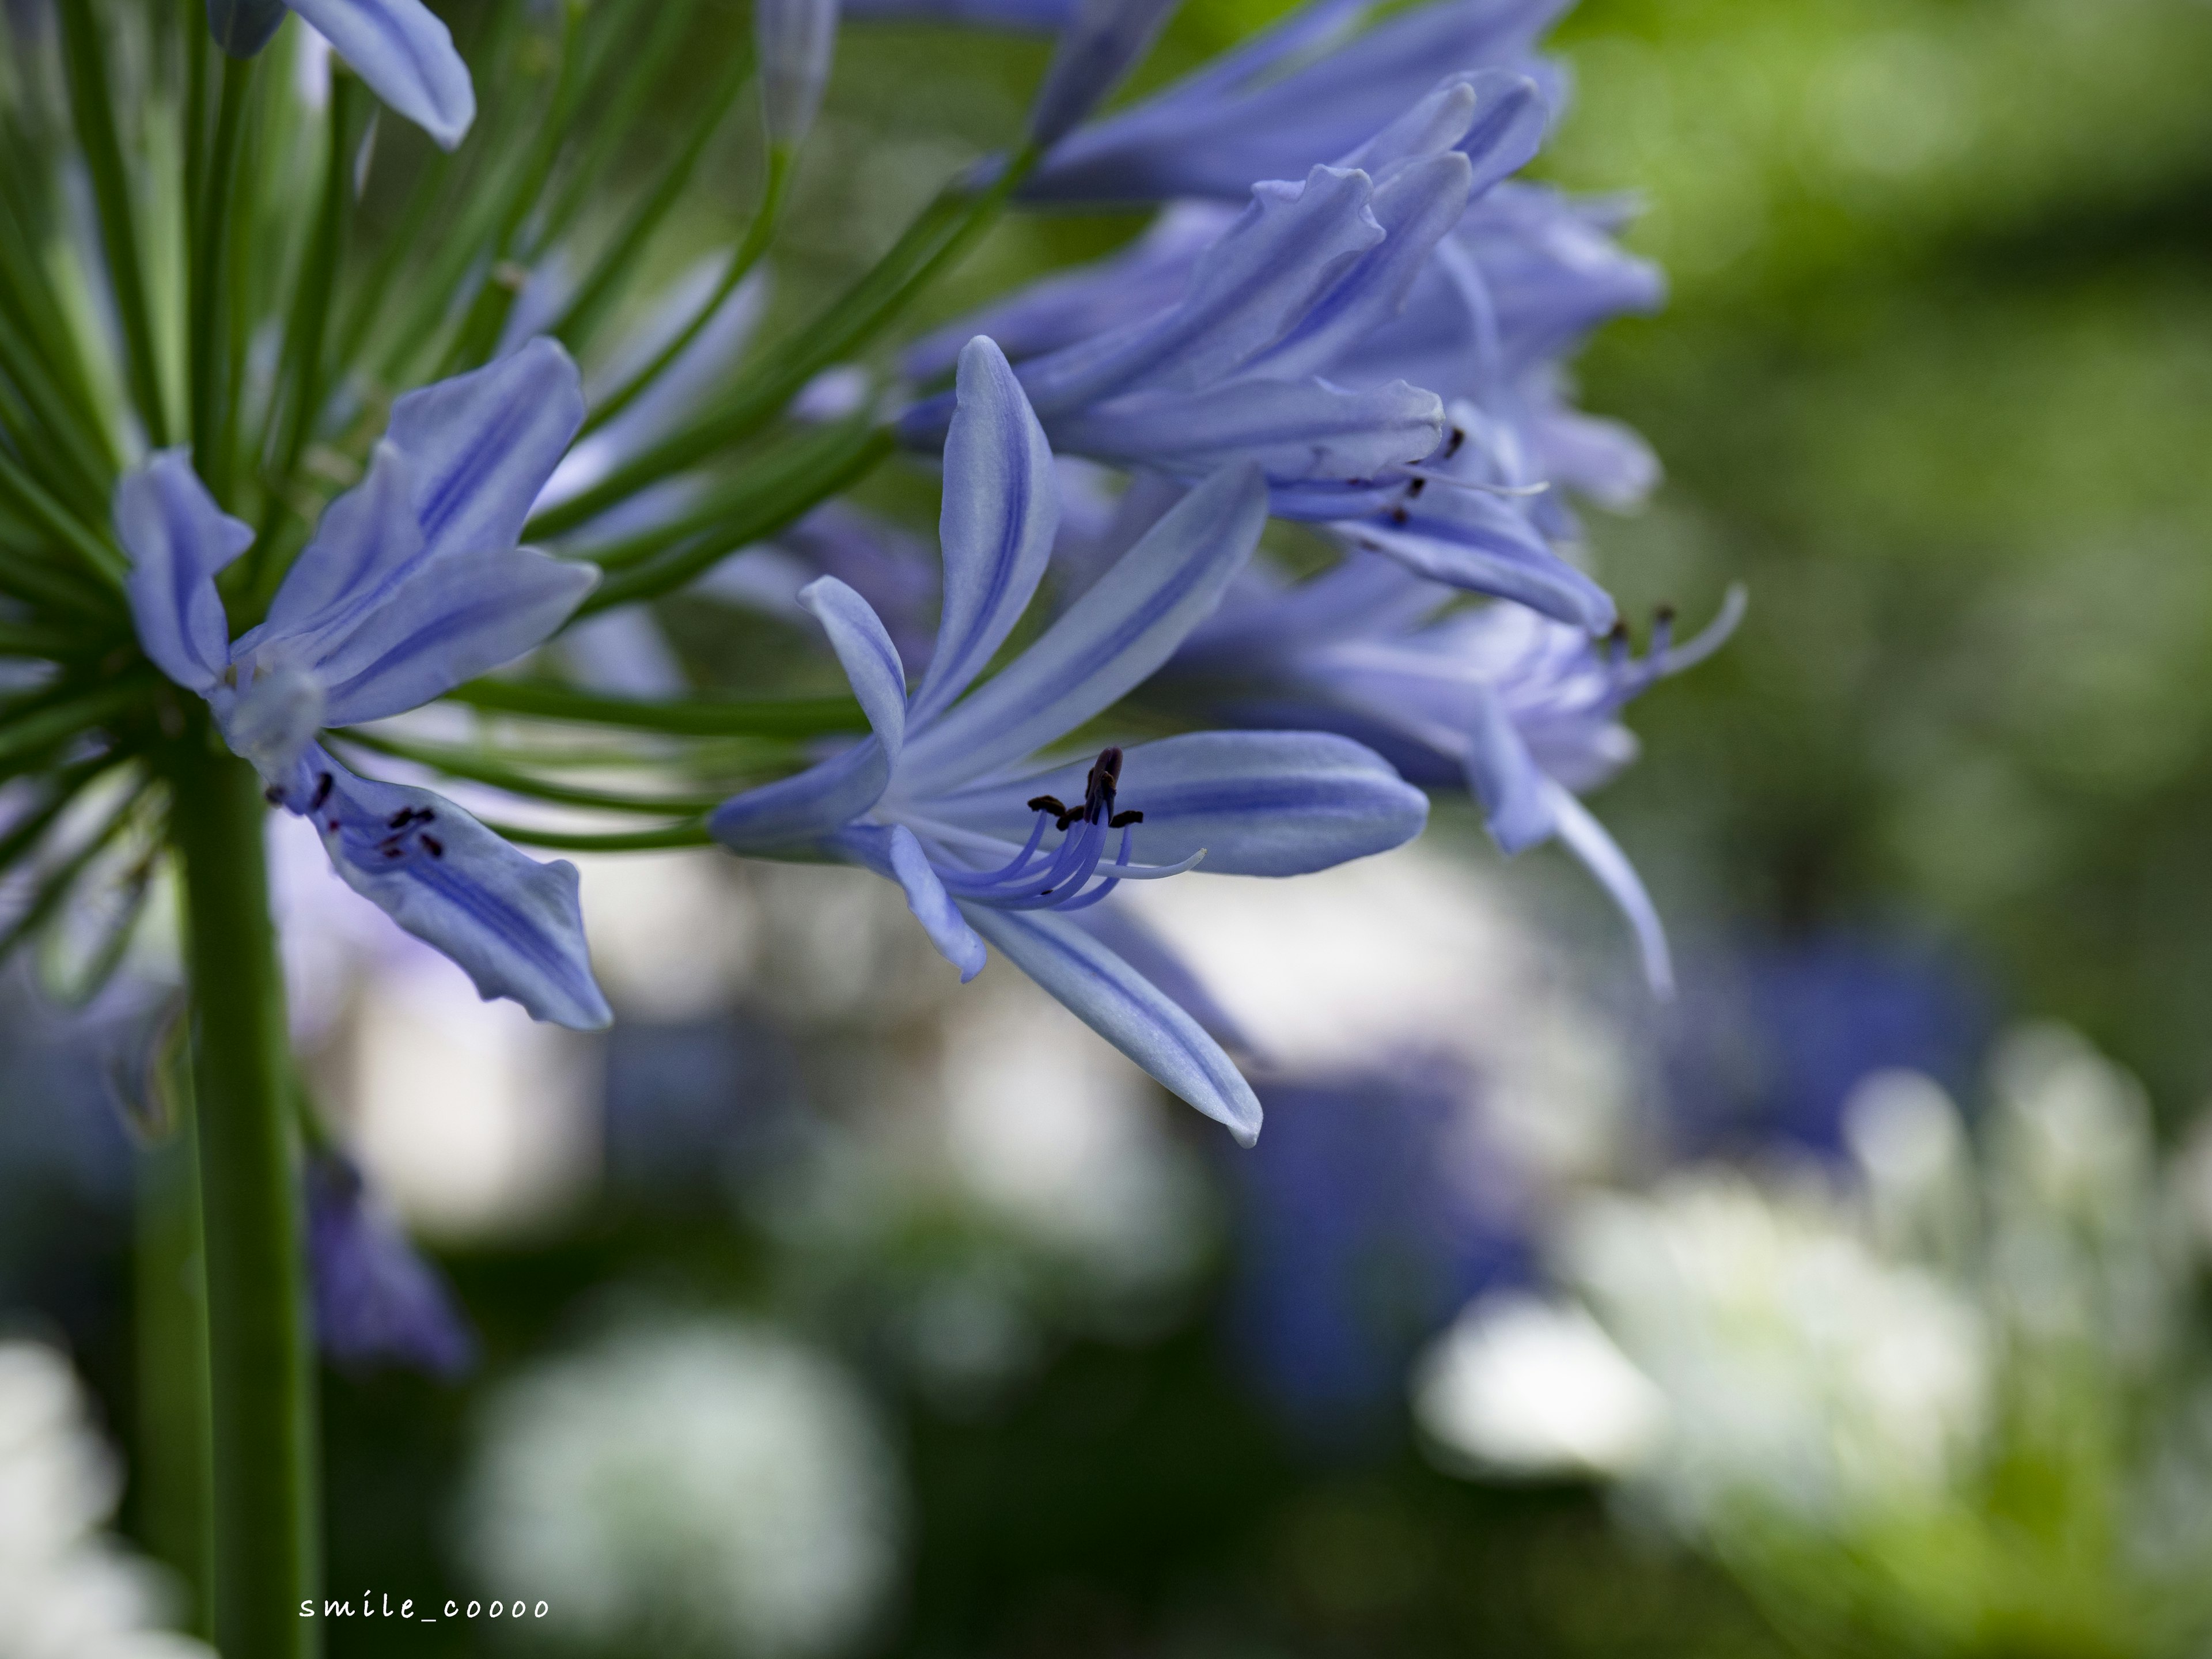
{"x":450,"y":621}
{"x":1416,"y":205}
{"x":1285,"y":100}
{"x":796,"y":814}
{"x":1143,"y":949}
{"x":1104,"y":644}
{"x":895,"y":853}
{"x":366,"y":541}
{"x":512,"y":924}
{"x":481,"y":445}
{"x":1484,"y":546}
{"x":866,"y":654}
{"x":792,"y":817}
{"x":1510,"y":116}
{"x":1248,"y":291}
{"x":1131,"y":1013}
{"x":1516,"y":796}
{"x":177,"y":539}
{"x":1297,"y":430}
{"x":1001,"y":511}
{"x":405,"y":55}
{"x":1256,"y":803}
{"x":1586,"y":838}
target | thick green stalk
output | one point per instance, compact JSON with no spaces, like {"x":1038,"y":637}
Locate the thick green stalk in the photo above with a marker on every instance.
{"x":261,"y":1367}
{"x":175,"y":1476}
{"x":210,"y":308}
{"x":94,"y":112}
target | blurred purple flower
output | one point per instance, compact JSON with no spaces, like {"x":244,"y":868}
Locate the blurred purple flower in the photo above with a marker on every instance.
{"x":377,"y":1302}
{"x":1772,"y":1037}
{"x":1366,"y":1219}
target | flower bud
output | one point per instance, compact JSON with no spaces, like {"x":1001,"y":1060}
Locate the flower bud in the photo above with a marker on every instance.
{"x":795,"y":39}
{"x":1102,"y":43}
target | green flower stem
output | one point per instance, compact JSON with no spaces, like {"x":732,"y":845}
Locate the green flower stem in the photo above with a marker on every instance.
{"x":266,"y":1507}
{"x":603,"y":287}
{"x":94,"y":112}
{"x":774,"y":489}
{"x":644,"y":55}
{"x":943,"y":232}
{"x":759,"y":235}
{"x":788,"y":717}
{"x":306,"y":343}
{"x":211,"y":305}
{"x":693,"y":834}
{"x":175,"y":1474}
{"x":481,"y":767}
{"x":488,"y":313}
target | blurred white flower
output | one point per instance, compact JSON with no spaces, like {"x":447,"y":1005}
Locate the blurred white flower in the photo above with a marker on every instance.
{"x":1524,"y":1387}
{"x":1802,"y":1373}
{"x":67,"y":1591}
{"x":1910,"y":1146}
{"x":709,"y":1484}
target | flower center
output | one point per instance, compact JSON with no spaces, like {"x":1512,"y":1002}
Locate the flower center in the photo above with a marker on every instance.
{"x":1059,"y":878}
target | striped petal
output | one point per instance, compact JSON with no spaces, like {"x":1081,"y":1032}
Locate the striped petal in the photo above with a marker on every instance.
{"x":1109,"y":996}
{"x":1104,"y":644}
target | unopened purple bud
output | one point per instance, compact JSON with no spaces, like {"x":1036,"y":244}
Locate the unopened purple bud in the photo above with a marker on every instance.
{"x":1102,"y":43}
{"x":242,"y":27}
{"x":796,"y":39}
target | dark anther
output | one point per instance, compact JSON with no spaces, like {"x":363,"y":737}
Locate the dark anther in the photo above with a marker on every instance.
{"x":400,"y":819}
{"x":433,"y":846}
{"x":1451,"y":444}
{"x":323,"y":781}
{"x":393,"y":850}
{"x":1399,"y":515}
{"x":1098,"y":788}
{"x":1048,"y":804}
{"x":1663,"y":615}
{"x":1415,"y":488}
{"x":1119,"y":819}
{"x":273,"y":795}
{"x":1618,"y":632}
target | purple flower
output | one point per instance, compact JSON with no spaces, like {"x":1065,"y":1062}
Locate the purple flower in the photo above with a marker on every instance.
{"x":1241,"y":364}
{"x":377,"y":1302}
{"x":945,"y":798}
{"x":1523,"y":710}
{"x":1304,"y":92}
{"x":413,"y":583}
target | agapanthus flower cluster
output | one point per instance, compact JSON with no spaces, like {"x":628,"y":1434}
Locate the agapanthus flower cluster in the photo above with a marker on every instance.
{"x":307,"y":426}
